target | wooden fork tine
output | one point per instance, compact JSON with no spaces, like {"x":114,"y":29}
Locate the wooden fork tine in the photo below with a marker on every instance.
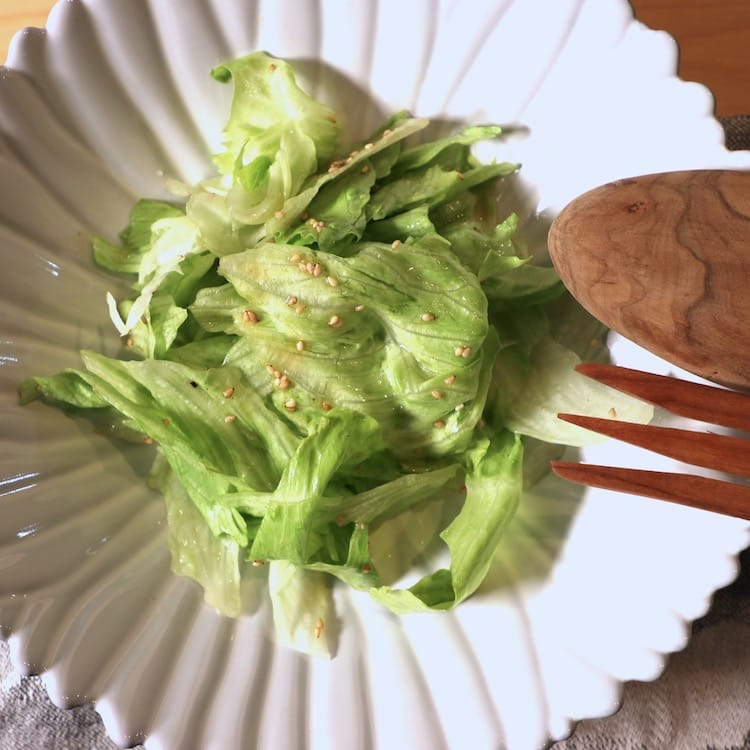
{"x":699,"y":401}
{"x":694,"y":491}
{"x":721,"y":452}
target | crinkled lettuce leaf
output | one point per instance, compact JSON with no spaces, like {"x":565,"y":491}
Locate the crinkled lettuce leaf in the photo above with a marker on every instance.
{"x":324,"y":342}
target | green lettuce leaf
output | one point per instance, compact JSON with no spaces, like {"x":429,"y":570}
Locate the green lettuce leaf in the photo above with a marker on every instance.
{"x":324,"y":341}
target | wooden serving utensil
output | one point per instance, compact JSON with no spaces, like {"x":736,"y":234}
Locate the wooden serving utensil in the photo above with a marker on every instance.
{"x":664,"y":259}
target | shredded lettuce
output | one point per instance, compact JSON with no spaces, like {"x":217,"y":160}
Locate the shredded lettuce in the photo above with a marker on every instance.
{"x":325,"y":342}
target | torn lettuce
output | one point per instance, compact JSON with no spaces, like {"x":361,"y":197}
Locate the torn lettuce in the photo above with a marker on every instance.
{"x":325,"y":342}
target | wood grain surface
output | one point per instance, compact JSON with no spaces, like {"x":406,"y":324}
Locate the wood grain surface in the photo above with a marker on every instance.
{"x":663,"y":260}
{"x":713,"y":36}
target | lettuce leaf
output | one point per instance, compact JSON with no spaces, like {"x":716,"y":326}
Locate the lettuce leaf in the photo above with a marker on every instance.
{"x":324,"y":342}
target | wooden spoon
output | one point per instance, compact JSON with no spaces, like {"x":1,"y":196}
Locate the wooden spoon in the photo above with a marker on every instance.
{"x":664,"y":260}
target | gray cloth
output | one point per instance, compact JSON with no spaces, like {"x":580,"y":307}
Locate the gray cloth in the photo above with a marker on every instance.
{"x":701,"y":702}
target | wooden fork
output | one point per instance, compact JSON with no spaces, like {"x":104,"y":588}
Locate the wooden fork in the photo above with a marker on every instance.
{"x":706,"y":403}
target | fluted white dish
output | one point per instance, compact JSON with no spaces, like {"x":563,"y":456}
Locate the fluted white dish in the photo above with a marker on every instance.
{"x":591,"y":588}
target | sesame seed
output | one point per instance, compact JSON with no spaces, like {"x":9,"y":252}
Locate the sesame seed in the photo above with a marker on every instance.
{"x":335,"y":322}
{"x":272,"y":67}
{"x":296,"y":258}
{"x":326,"y":406}
{"x":230,"y":418}
{"x":396,"y":244}
{"x":291,"y":405}
{"x":428,"y":317}
{"x":291,"y":300}
{"x":335,"y":165}
{"x":250,"y":316}
{"x":466,"y":352}
{"x":612,"y":413}
{"x":437,"y":394}
{"x":386,"y":132}
{"x":368,"y":146}
{"x":271,"y":370}
{"x":149,"y":441}
{"x":450,"y":380}
{"x":317,"y":269}
{"x":300,"y":309}
{"x":283,"y":383}
{"x":279,"y":214}
{"x":300,"y":346}
{"x":361,"y":526}
{"x":439,"y":424}
{"x":302,"y":266}
{"x":459,"y":407}
{"x":359,"y":308}
{"x":332,"y":281}
{"x":365,"y":169}
{"x":258,"y":563}
{"x":228,"y":393}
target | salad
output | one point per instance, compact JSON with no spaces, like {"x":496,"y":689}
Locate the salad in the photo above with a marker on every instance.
{"x":324,"y":339}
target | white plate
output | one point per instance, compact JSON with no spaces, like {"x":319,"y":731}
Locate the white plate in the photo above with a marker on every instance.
{"x":592,"y":588}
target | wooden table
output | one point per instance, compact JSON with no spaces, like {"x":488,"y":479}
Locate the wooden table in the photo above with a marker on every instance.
{"x":713,"y":36}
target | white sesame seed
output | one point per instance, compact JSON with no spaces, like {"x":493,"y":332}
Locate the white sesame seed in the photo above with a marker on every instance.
{"x":396,"y":244}
{"x":428,"y":317}
{"x":230,"y":418}
{"x":228,"y":393}
{"x":359,"y":308}
{"x":437,"y":394}
{"x":450,"y":380}
{"x":300,"y":346}
{"x":250,"y":316}
{"x":332,"y":281}
{"x":291,"y":405}
{"x":335,"y":321}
